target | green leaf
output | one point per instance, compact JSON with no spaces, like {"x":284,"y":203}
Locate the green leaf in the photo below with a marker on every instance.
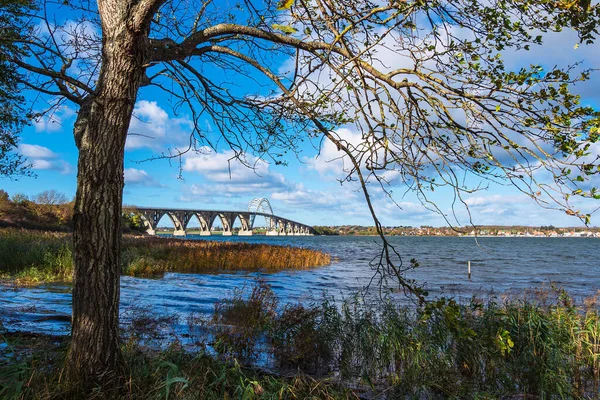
{"x":288,"y":30}
{"x":285,"y":4}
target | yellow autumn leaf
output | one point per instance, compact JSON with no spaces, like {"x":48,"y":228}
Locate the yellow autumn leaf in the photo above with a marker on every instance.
{"x":288,"y":30}
{"x":285,"y":4}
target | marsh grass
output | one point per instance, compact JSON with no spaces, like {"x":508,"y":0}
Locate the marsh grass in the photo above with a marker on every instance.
{"x":544,"y":349}
{"x":240,"y":323}
{"x":35,"y":256}
{"x":169,"y":374}
{"x":29,"y":257}
{"x":155,"y":256}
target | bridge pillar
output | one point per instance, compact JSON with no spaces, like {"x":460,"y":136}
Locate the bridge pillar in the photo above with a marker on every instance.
{"x":150,"y":219}
{"x":272,"y":228}
{"x":281,"y":227}
{"x":206,"y":220}
{"x":180,"y":220}
{"x":246,"y":222}
{"x":276,"y":226}
{"x":227,"y":220}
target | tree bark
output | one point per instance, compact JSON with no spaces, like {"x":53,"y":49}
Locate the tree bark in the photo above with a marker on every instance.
{"x":100,"y":132}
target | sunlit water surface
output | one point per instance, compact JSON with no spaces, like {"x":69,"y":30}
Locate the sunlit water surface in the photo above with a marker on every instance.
{"x":500,"y":266}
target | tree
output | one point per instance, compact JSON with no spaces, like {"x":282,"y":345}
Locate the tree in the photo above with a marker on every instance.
{"x":5,"y":203}
{"x":451,"y":108}
{"x":51,"y":197}
{"x":52,"y":207}
{"x":12,"y":115}
{"x":20,"y":198}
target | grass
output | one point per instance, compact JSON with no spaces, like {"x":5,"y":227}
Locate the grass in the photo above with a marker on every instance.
{"x":35,"y":256}
{"x":29,"y":257}
{"x":541,"y":347}
{"x":170,"y":374}
{"x":150,"y":255}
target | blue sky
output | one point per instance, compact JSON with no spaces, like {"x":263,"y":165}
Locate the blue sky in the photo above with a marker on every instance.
{"x":307,"y":189}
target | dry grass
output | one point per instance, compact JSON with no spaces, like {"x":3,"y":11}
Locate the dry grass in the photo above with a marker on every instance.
{"x":29,"y":257}
{"x":151,"y":256}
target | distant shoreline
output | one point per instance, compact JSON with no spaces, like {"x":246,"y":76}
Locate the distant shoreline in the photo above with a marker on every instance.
{"x":220,"y":233}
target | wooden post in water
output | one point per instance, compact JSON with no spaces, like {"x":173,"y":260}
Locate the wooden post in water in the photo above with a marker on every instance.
{"x":469,"y":269}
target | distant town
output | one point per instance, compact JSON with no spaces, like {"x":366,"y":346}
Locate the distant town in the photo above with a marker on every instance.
{"x":481,"y":230}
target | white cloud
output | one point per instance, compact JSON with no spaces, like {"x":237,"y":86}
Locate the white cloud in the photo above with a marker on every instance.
{"x":42,"y":164}
{"x":228,"y":176}
{"x":483,"y":201}
{"x":60,"y":166}
{"x":151,"y":127}
{"x":77,"y":41}
{"x":306,"y":199}
{"x":42,"y":158}
{"x":332,"y":160}
{"x":139,"y":177}
{"x":35,"y":151}
{"x":53,"y":121}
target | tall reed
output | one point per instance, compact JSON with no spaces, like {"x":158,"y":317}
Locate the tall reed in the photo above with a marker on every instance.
{"x":36,"y":256}
{"x":148,"y":256}
{"x":489,"y":349}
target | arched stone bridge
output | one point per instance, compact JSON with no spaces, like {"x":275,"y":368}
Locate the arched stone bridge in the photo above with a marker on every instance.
{"x":276,"y":226}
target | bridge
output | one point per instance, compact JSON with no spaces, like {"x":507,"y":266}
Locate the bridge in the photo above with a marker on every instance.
{"x":259,"y":207}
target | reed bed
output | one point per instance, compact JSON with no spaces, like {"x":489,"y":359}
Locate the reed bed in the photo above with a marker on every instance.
{"x":29,"y":257}
{"x":543,"y":347}
{"x":33,"y":369}
{"x":151,"y":256}
{"x":527,"y":348}
{"x":35,"y":256}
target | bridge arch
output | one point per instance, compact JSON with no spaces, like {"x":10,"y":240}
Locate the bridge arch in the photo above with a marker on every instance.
{"x":227,"y":221}
{"x":206,"y":220}
{"x":246,"y":222}
{"x":178,"y":220}
{"x":260,"y":205}
{"x":150,"y":219}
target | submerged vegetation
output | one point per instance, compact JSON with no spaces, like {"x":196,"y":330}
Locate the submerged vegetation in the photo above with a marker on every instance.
{"x":540,"y":347}
{"x":36,"y":256}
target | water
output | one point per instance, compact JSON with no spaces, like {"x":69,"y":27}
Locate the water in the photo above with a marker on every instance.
{"x":499,"y":265}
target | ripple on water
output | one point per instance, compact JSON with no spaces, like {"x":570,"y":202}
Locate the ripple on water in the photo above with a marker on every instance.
{"x":499,"y":265}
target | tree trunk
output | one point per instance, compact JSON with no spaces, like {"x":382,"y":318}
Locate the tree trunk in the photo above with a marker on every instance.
{"x":100,"y":133}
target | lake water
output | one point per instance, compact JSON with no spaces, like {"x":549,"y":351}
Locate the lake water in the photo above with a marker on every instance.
{"x":504,"y":266}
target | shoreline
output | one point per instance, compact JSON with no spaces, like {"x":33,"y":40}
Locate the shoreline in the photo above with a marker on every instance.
{"x":32,"y":257}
